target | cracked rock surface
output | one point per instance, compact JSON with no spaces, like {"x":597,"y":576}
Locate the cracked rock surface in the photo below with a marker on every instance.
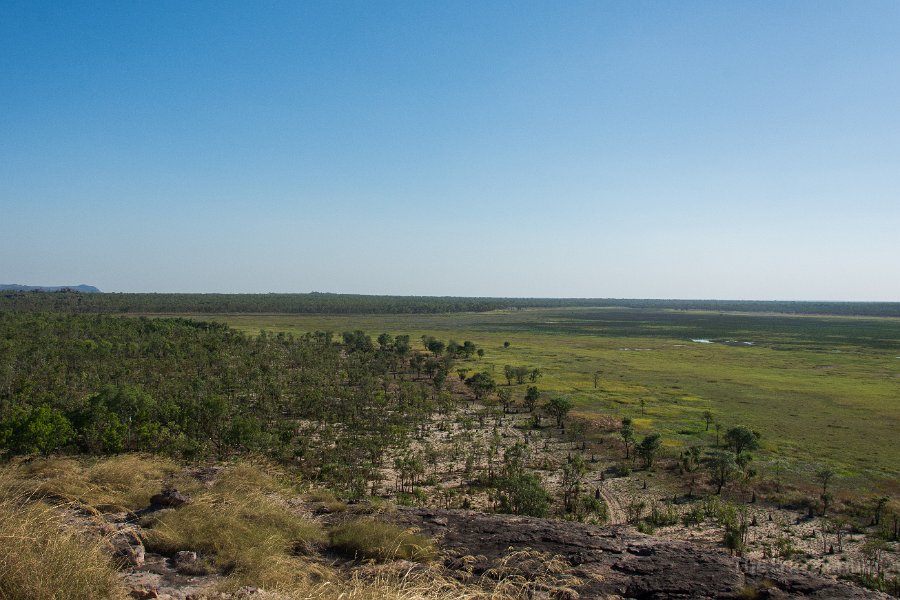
{"x":617,"y":560}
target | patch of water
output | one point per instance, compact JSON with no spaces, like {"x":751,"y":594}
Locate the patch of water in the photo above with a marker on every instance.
{"x":702,"y":341}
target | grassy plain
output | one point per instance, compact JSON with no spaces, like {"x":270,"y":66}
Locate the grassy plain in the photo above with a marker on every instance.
{"x":820,"y":390}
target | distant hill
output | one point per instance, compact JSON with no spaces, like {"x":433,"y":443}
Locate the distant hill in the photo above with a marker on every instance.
{"x":87,"y":289}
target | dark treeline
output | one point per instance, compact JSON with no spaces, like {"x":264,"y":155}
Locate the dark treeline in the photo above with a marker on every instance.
{"x":101,"y":384}
{"x":321,"y":303}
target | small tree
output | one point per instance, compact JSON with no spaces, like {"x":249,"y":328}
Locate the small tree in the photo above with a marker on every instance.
{"x":521,"y":374}
{"x":505,"y":397}
{"x":572,"y":479}
{"x":37,"y":430}
{"x":481,"y":384}
{"x":723,"y":468}
{"x":436,"y":347}
{"x":534,"y":375}
{"x":648,"y":448}
{"x":627,"y":432}
{"x":532,"y":395}
{"x":385,"y":341}
{"x":558,"y":407}
{"x":825,"y":475}
{"x":708,"y":417}
{"x":742,"y":438}
{"x":509,"y":372}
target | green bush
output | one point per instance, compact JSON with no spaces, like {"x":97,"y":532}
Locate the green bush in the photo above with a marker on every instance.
{"x":33,"y":430}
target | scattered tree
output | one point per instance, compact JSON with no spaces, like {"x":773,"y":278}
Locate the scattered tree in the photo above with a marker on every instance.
{"x":825,"y":475}
{"x":723,"y":469}
{"x":481,"y":384}
{"x":558,"y":407}
{"x":742,"y":438}
{"x":509,"y":372}
{"x":532,"y":395}
{"x":626,"y":430}
{"x":648,"y":448}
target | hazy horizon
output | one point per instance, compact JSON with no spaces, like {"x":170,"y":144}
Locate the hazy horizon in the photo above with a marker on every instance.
{"x":605,"y":298}
{"x":582,"y":150}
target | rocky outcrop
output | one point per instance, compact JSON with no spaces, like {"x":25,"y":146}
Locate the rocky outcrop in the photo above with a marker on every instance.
{"x":169,"y":498}
{"x":618,"y":561}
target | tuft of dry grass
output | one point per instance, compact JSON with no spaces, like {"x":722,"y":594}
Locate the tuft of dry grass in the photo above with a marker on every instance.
{"x":44,"y":558}
{"x":519,"y":576}
{"x":369,"y":538}
{"x":326,"y":499}
{"x":240,"y":526}
{"x":117,"y":484}
{"x":521,"y":573}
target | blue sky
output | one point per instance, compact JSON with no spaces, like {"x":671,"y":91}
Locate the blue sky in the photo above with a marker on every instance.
{"x":602,"y":149}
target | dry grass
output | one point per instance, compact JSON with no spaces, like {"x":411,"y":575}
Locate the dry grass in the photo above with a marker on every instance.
{"x":116,"y":484}
{"x":520,"y":575}
{"x":44,"y":558}
{"x":326,"y":499}
{"x":240,"y":527}
{"x":369,"y":538}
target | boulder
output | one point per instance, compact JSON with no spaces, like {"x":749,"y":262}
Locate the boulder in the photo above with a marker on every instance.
{"x":171,"y":498}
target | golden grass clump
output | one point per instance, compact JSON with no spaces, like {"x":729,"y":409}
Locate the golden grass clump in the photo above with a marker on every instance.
{"x":325,"y":498}
{"x":238,"y":526}
{"x":510,"y":580}
{"x":116,"y":484}
{"x":44,"y":558}
{"x":522,"y":572}
{"x":369,"y":538}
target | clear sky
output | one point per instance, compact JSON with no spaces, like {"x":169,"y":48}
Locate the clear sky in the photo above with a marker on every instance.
{"x":745,"y":150}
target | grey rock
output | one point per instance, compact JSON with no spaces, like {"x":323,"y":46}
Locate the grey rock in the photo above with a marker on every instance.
{"x":127,"y":546}
{"x":170,"y":498}
{"x":616,"y":561}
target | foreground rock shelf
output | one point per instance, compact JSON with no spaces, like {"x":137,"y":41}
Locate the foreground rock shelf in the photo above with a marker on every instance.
{"x":618,"y":561}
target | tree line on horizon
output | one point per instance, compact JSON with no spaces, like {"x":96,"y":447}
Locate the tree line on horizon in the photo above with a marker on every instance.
{"x":326,"y":303}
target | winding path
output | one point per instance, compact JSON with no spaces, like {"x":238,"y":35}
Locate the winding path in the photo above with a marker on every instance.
{"x":615,"y":513}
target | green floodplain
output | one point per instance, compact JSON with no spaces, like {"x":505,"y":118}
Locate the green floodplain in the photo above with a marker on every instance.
{"x":821,"y":390}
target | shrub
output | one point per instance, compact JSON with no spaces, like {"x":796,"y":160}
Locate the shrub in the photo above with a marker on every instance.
{"x":662,"y":516}
{"x":645,"y":527}
{"x":34,"y":430}
{"x":524,"y":494}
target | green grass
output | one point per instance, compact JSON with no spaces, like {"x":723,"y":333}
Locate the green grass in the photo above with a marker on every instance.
{"x":820,"y":389}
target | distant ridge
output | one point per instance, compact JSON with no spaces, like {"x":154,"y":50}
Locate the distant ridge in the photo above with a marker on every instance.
{"x":14,"y":287}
